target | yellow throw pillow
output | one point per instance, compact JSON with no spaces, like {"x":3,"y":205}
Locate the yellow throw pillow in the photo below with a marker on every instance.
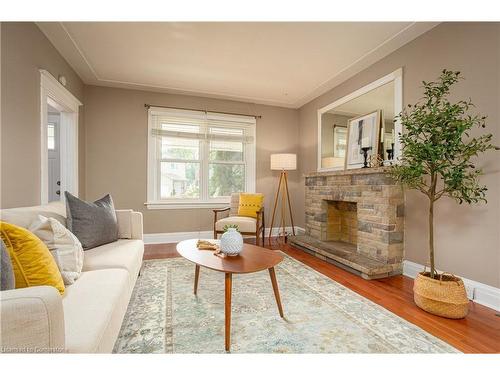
{"x":31,"y":259}
{"x":250,"y":204}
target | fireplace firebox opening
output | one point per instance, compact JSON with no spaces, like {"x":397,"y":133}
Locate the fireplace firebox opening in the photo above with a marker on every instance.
{"x":342,"y":222}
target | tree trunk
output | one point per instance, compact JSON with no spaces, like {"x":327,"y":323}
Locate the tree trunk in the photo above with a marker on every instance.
{"x":431,"y":236}
{"x":432,"y":196}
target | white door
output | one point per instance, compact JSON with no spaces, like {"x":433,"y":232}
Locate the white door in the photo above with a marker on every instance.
{"x":59,"y":140}
{"x":54,"y":156}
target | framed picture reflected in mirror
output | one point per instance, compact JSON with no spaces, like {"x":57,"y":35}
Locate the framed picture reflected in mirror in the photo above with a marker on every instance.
{"x":362,"y":132}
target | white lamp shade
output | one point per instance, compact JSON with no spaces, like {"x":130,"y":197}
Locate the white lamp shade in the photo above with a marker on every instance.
{"x":284,"y":162}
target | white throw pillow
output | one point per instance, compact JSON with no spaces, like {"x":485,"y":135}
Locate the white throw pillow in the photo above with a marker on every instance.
{"x":63,"y":245}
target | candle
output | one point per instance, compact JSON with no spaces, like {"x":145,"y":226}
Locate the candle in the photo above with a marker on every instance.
{"x":365,"y":142}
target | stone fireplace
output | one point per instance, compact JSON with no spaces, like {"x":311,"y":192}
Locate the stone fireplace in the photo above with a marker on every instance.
{"x":355,"y":219}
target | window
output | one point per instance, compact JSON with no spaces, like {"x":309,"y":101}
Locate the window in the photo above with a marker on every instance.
{"x":197,"y":159}
{"x":339,"y":141}
{"x":51,"y":136}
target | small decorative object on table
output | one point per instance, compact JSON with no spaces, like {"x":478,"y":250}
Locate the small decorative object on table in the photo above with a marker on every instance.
{"x":211,"y":246}
{"x":231,"y":242}
{"x":206,"y":245}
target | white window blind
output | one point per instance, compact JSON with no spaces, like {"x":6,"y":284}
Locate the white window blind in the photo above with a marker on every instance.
{"x":198,"y":158}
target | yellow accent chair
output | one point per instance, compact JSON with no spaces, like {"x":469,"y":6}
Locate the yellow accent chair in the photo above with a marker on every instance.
{"x":247,"y":212}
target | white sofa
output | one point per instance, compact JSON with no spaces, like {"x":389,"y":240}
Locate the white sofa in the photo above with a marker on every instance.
{"x":88,"y":317}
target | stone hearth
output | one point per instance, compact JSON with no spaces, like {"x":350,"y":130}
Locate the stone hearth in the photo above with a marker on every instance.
{"x":355,"y":219}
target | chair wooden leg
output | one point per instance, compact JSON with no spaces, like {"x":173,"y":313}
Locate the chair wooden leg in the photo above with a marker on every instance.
{"x":263,"y":230}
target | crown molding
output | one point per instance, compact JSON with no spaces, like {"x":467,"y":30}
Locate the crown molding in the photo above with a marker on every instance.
{"x":67,"y":46}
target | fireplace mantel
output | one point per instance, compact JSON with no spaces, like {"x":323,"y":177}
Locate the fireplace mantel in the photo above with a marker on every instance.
{"x":380,"y":220}
{"x":348,"y":172}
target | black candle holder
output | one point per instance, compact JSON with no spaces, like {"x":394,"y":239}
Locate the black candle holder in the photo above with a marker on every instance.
{"x":389,"y":154}
{"x":365,"y":155}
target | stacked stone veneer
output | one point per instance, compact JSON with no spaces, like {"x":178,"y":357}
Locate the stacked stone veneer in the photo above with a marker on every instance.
{"x":380,"y":210}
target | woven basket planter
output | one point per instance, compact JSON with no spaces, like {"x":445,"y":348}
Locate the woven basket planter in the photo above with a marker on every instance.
{"x":445,"y":297}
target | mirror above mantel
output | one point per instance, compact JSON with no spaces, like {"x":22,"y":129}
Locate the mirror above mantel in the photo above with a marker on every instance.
{"x":364,"y":118}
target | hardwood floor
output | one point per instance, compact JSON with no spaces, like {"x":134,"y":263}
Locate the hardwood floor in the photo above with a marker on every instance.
{"x":479,"y":332}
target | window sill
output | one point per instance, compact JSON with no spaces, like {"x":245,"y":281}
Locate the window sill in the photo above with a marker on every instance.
{"x":184,"y":205}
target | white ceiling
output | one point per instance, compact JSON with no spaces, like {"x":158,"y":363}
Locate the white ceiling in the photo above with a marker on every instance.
{"x":284,"y":64}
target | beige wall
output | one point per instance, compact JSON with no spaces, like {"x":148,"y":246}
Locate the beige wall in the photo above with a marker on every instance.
{"x":467,"y":237}
{"x":25,"y":49}
{"x":116,"y":150}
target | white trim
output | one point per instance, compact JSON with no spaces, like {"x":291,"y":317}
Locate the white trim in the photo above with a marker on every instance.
{"x":56,"y":90}
{"x":150,"y":238}
{"x":398,"y":107}
{"x":478,"y":292}
{"x":397,"y":77}
{"x":151,"y":172}
{"x":69,"y":152}
{"x":59,"y":97}
{"x":251,"y":160}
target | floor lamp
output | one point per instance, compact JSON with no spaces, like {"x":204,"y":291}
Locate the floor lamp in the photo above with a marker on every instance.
{"x":282,"y":163}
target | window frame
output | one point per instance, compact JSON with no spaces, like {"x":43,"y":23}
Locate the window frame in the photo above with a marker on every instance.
{"x":154,"y":165}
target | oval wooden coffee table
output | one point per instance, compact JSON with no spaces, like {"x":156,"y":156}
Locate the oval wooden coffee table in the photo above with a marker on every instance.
{"x":251,"y":259}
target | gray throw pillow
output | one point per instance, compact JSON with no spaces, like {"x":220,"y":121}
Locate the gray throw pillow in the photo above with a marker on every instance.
{"x":7,"y":280}
{"x":94,"y":224}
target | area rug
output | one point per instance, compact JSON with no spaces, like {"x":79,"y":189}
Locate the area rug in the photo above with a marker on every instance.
{"x":321,"y":316}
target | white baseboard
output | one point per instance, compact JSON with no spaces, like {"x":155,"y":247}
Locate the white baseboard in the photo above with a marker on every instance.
{"x":483,"y":294}
{"x":298,"y":231}
{"x":151,"y":238}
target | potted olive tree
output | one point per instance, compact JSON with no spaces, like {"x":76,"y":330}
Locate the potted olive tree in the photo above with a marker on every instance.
{"x":437,"y":160}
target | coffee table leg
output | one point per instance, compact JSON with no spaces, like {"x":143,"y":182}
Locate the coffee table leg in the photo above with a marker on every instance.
{"x":196,"y":278}
{"x":229,"y":282}
{"x":276,"y":290}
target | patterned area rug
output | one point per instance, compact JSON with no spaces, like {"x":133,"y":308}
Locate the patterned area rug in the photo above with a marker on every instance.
{"x":321,"y":316}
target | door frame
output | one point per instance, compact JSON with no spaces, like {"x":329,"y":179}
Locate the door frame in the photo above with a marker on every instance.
{"x":55,"y":94}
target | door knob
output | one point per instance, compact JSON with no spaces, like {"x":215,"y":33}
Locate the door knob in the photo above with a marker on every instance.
{"x":58,"y":183}
{"x":58,"y":192}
